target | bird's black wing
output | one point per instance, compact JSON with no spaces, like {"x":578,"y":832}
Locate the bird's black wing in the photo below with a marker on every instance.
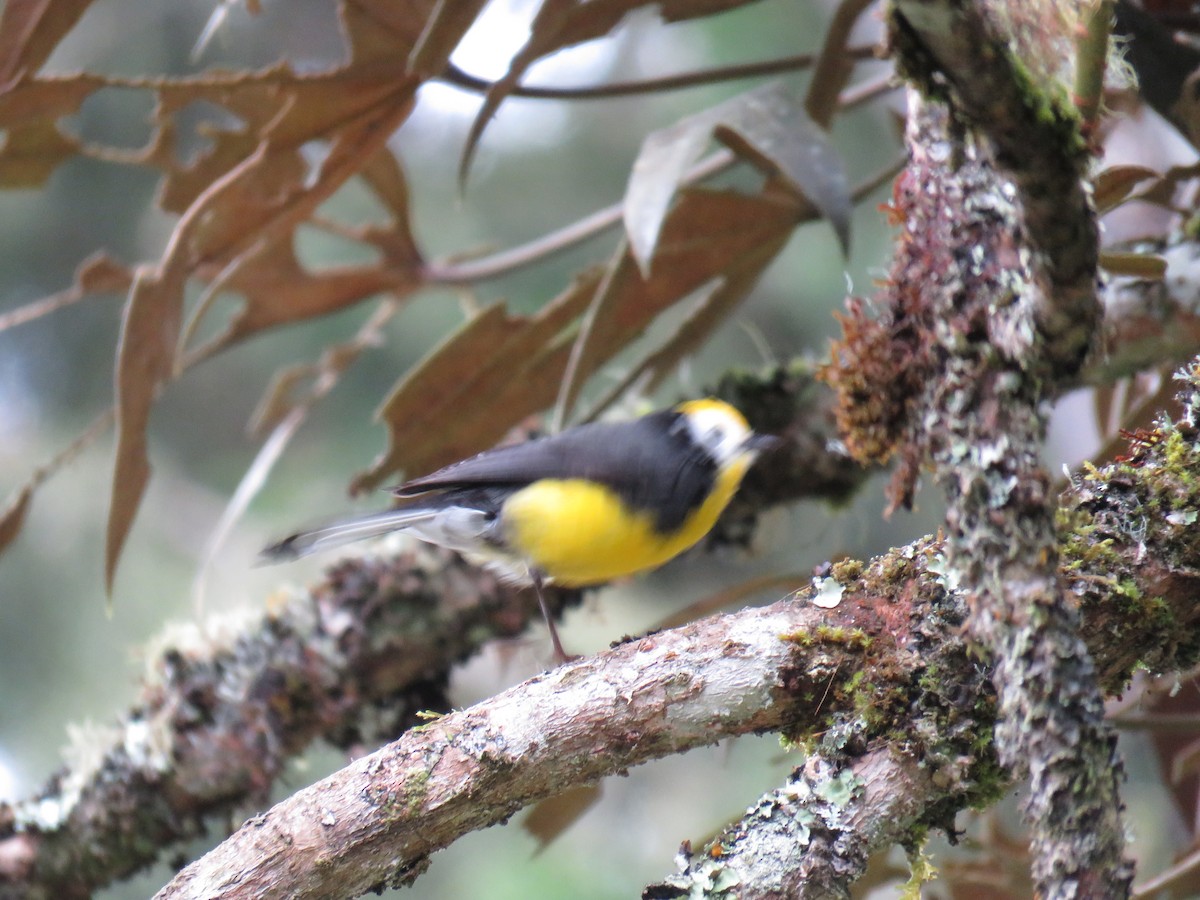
{"x":649,"y":462}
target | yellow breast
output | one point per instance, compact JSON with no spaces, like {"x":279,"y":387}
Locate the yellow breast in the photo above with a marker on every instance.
{"x":579,"y":532}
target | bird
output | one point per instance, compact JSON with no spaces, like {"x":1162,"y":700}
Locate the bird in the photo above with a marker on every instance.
{"x":593,"y":503}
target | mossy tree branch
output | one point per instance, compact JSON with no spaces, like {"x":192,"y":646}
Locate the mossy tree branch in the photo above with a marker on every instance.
{"x":869,"y":669}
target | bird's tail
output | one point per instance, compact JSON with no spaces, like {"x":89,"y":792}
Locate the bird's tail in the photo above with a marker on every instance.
{"x":346,"y":531}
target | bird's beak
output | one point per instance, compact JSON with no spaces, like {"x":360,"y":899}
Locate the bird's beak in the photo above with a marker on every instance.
{"x":762,"y":443}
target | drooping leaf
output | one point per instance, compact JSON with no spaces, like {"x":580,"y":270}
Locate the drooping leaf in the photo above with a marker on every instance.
{"x":493,"y":345}
{"x":145,"y":357}
{"x":706,"y":234}
{"x":710,"y":312}
{"x":254,"y":205}
{"x":384,"y":29}
{"x":277,"y":290}
{"x":29,"y":32}
{"x":271,"y":191}
{"x":1114,"y":185}
{"x":766,"y":126}
{"x":1147,"y":266}
{"x":444,"y":28}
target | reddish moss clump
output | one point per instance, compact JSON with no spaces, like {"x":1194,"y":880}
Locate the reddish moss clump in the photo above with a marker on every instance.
{"x":881,"y":365}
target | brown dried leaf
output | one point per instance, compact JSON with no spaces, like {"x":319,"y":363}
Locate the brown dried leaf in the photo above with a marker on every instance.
{"x":259,"y":203}
{"x":255,"y":204}
{"x":554,"y":815}
{"x":564,"y":23}
{"x":278,"y":112}
{"x":499,"y":369}
{"x":766,"y":126}
{"x":707,"y":234}
{"x":444,"y":28}
{"x":384,"y":29}
{"x":48,"y":98}
{"x":32,"y":152}
{"x":268,"y":193}
{"x":29,"y":32}
{"x":29,"y":112}
{"x":278,"y":290}
{"x":708,"y":315}
{"x":385,"y":177}
{"x":467,"y":366}
{"x":1146,"y":266}
{"x":145,"y":357}
{"x":1114,"y":185}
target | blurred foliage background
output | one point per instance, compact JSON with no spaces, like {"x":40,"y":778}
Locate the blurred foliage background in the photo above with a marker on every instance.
{"x":542,"y":164}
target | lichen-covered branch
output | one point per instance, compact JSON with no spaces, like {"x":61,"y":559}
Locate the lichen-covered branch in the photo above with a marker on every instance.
{"x":229,"y":698}
{"x":901,"y":746}
{"x":350,"y":661}
{"x":1130,"y":559}
{"x":811,"y":838}
{"x":991,"y":308}
{"x":879,"y":688}
{"x":376,"y":822}
{"x":958,"y":50}
{"x":224,"y":708}
{"x":984,"y":430}
{"x":1129,"y":551}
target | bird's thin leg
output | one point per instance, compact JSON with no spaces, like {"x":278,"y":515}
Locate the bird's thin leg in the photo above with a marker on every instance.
{"x":560,"y":655}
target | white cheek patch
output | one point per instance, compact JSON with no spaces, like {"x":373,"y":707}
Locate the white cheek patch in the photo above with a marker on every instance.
{"x":718,"y":433}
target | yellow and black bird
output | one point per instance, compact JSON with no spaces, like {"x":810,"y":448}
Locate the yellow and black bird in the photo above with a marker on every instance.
{"x":594,"y":503}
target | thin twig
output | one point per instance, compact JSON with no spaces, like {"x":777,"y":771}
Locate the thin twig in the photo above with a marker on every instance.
{"x":1091,"y":62}
{"x":457,"y":77}
{"x":834,"y":64}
